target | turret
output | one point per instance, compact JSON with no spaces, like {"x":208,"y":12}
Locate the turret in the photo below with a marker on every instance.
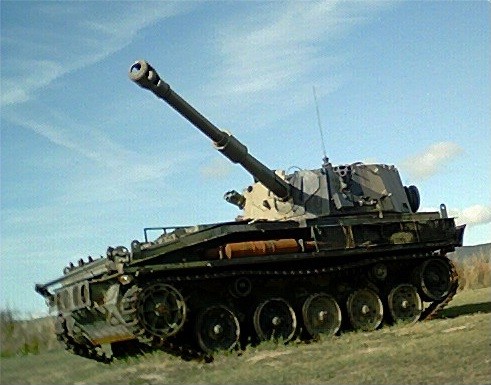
{"x":145,"y":76}
{"x":327,"y":191}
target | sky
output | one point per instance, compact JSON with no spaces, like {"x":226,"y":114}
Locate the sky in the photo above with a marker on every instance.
{"x":88,"y":158}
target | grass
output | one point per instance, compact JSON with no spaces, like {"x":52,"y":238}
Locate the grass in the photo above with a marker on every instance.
{"x":449,"y":350}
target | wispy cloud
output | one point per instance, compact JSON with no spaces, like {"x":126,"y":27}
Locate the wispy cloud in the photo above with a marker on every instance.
{"x":31,"y":75}
{"x":93,"y":144}
{"x":35,"y":57}
{"x":111,"y":175}
{"x":282,"y":45}
{"x":430,"y":161}
{"x":473,"y":215}
{"x":217,"y":168}
{"x":42,"y":57}
{"x":270,"y":56}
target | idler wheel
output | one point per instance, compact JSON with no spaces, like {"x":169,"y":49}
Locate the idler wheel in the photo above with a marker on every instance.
{"x":405,"y":304}
{"x":365,"y":310}
{"x":434,"y":279}
{"x":217,"y":328}
{"x":161,"y":310}
{"x":274,"y":319}
{"x":321,"y":315}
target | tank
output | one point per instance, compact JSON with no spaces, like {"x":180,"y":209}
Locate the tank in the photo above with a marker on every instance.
{"x":309,"y":255}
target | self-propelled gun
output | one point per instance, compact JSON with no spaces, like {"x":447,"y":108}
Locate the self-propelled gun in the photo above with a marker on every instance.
{"x":311,"y":253}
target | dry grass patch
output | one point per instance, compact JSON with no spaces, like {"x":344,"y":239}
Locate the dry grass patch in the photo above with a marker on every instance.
{"x":23,"y":337}
{"x":474,"y":271}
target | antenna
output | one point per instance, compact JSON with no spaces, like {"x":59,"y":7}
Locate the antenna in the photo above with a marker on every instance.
{"x":325,"y":159}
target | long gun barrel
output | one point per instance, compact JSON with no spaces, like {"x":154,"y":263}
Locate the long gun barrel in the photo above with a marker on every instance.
{"x":145,"y":76}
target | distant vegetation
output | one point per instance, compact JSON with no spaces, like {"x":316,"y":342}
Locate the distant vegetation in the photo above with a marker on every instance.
{"x":24,"y":337}
{"x":475,"y":272}
{"x":473,"y":264}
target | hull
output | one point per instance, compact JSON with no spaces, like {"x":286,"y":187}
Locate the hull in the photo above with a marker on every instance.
{"x":223,"y":286}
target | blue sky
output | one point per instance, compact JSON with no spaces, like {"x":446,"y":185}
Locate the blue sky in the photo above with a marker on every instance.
{"x":88,"y":159}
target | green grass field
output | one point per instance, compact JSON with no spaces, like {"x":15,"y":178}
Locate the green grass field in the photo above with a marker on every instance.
{"x":454,"y":349}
